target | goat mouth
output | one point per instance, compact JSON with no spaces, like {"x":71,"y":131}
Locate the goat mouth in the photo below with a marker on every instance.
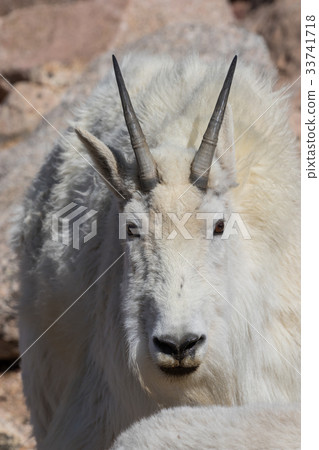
{"x":178,"y":370}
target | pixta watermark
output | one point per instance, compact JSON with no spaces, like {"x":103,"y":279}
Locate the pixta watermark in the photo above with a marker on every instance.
{"x":140,"y":224}
{"x":73,"y":222}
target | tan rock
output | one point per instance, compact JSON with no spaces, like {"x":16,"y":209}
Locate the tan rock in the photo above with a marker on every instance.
{"x":44,"y":89}
{"x":15,"y":430}
{"x":17,"y":116}
{"x":32,"y":36}
{"x":241,"y":8}
{"x":6,"y":6}
{"x":146,"y":16}
{"x":56,"y":74}
{"x":4,"y":89}
{"x":279,"y":24}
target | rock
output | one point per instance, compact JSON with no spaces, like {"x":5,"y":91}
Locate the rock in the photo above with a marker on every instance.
{"x":15,"y":431}
{"x":279,"y":24}
{"x":57,"y":75}
{"x":12,"y":77}
{"x":7,"y":439}
{"x":8,"y":332}
{"x":17,"y":116}
{"x":64,"y":30}
{"x":60,"y":32}
{"x":142,"y":17}
{"x":95,"y":24}
{"x":6,"y":6}
{"x":4,"y":89}
{"x":241,"y":8}
{"x":228,"y":41}
{"x":43,"y":90}
{"x":9,"y":290}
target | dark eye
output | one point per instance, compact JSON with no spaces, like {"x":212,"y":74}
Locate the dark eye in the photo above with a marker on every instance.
{"x":219,"y":227}
{"x":132,"y":230}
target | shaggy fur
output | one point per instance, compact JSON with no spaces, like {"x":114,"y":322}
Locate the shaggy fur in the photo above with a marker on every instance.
{"x":96,"y":371}
{"x":216,"y":428}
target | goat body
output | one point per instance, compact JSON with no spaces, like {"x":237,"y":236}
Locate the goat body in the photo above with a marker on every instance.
{"x":231,"y":304}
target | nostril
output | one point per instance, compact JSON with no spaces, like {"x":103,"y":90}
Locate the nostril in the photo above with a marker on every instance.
{"x":169,"y":347}
{"x":191,"y":341}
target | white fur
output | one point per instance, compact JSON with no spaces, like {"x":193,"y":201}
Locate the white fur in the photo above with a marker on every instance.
{"x":96,"y":371}
{"x":216,"y":428}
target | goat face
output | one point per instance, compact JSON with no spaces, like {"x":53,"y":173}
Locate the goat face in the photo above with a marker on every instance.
{"x":178,"y":278}
{"x":177,"y":281}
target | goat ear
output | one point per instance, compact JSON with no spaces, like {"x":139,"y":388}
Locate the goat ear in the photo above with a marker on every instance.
{"x":225,"y":159}
{"x":105,"y":162}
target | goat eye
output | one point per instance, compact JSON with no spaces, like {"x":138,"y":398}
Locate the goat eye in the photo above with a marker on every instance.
{"x":132,"y":230}
{"x":219,"y":227}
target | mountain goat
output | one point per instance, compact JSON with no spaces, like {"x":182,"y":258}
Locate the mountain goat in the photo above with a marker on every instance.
{"x":198,"y":304}
{"x":222,"y":428}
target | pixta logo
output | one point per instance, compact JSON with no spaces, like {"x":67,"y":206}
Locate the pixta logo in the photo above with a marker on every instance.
{"x":69,"y":224}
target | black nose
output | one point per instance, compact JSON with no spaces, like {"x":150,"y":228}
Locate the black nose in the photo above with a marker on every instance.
{"x":179,"y":349}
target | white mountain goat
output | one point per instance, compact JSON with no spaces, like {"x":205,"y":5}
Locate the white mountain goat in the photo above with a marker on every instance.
{"x":189,"y":311}
{"x":216,"y":427}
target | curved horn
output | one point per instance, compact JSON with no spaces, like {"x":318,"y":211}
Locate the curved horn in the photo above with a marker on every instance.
{"x":204,"y":156}
{"x":144,"y":158}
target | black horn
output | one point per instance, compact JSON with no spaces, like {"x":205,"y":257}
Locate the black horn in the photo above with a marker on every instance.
{"x":203,"y":159}
{"x":145,"y":161}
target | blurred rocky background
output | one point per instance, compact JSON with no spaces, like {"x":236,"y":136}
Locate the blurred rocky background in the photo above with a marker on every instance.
{"x":52,"y":54}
